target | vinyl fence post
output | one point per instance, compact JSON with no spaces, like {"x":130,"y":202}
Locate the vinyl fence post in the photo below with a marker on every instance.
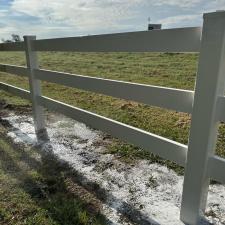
{"x":35,"y":89}
{"x":210,"y":85}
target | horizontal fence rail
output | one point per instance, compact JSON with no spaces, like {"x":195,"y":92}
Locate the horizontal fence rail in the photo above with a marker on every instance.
{"x":15,"y":90}
{"x":168,"y":40}
{"x":163,"y":147}
{"x":170,"y":98}
{"x":12,"y":46}
{"x":216,"y":165}
{"x":16,"y":70}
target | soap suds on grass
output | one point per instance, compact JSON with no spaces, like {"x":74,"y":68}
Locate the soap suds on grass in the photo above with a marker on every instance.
{"x":143,"y":193}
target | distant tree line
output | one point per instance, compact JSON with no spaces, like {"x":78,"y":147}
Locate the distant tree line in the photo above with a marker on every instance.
{"x":14,"y":38}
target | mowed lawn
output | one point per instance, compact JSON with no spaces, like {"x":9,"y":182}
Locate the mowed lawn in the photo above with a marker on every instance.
{"x":168,"y":69}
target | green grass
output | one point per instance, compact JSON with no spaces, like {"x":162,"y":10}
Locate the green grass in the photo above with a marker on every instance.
{"x":38,"y":190}
{"x":169,"y":69}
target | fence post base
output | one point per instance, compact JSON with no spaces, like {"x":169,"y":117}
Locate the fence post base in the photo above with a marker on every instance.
{"x":35,"y":90}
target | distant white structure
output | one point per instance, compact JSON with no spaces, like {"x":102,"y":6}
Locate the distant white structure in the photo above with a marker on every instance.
{"x":153,"y":26}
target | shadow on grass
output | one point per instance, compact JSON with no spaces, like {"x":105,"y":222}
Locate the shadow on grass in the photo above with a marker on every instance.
{"x":60,"y":189}
{"x":45,"y":182}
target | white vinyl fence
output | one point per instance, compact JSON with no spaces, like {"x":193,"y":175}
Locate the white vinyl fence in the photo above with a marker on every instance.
{"x":206,"y":103}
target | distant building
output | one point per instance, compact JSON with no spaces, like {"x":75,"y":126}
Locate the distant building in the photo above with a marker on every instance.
{"x":152,"y":26}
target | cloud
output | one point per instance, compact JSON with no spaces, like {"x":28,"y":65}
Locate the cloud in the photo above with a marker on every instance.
{"x":3,"y":12}
{"x":180,"y":19}
{"x":57,"y":18}
{"x":177,"y":3}
{"x":92,"y":15}
{"x":80,"y":14}
{"x":215,"y":5}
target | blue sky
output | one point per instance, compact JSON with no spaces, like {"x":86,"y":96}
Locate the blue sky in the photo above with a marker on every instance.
{"x":60,"y":18}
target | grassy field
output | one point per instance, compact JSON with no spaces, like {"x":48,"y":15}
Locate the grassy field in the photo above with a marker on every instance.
{"x":169,"y":69}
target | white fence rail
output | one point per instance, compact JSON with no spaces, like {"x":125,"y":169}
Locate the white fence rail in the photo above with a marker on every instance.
{"x":171,"y":40}
{"x":17,"y":70}
{"x":206,"y":103}
{"x":175,"y":99}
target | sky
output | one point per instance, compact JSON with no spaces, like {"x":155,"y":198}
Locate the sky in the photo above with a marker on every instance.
{"x":63,"y":18}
